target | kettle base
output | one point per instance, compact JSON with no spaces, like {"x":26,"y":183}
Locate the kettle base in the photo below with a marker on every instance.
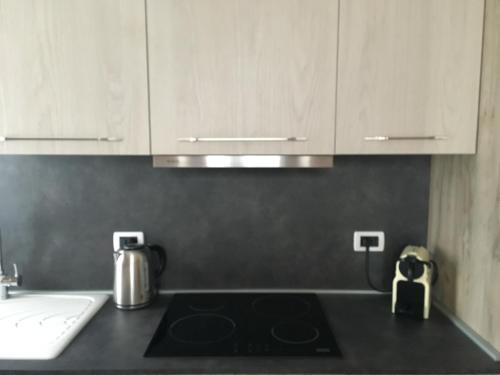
{"x":132,"y":307}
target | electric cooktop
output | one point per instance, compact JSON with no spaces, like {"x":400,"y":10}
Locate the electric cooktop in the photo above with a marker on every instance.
{"x":247,"y":324}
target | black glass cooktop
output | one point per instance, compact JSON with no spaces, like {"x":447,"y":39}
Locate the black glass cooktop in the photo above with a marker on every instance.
{"x":247,"y":324}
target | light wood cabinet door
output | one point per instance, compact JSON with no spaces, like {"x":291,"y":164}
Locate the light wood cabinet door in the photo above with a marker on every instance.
{"x":242,"y":75}
{"x":73,"y":71}
{"x":408,"y":69}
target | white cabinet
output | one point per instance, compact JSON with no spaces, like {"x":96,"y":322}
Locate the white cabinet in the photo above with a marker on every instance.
{"x":409,"y":71}
{"x":73,"y":71}
{"x":242,"y":76}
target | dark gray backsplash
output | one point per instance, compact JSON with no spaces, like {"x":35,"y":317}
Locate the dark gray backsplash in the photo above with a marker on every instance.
{"x":221,"y":228}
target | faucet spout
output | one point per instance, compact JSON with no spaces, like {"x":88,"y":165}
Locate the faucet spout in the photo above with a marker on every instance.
{"x":7,"y":281}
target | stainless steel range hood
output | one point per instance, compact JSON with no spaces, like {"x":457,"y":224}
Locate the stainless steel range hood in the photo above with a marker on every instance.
{"x":243,"y":161}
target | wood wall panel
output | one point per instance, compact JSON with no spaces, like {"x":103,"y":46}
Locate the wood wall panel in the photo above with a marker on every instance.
{"x":464,"y":225}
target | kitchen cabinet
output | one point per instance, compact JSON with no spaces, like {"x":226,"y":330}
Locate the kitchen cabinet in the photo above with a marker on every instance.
{"x":242,"y":76}
{"x":408,"y":76}
{"x":73,"y":77}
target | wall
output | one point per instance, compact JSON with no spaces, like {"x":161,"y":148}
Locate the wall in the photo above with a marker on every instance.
{"x":221,"y":228}
{"x":464,"y":224}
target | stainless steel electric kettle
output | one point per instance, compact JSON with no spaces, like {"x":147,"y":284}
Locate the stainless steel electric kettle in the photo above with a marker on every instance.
{"x":137,"y":275}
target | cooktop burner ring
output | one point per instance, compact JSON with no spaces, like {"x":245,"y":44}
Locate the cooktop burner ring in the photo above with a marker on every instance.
{"x":281,"y":306}
{"x":206,"y":303}
{"x":222,"y":328}
{"x":309,"y":332}
{"x":207,"y":308}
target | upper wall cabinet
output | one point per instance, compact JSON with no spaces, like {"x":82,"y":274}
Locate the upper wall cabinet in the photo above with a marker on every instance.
{"x":73,"y":77}
{"x":408,"y":76}
{"x":242,"y":76}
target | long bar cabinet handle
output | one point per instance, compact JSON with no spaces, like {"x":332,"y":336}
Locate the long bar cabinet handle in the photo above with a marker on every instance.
{"x":78,"y":139}
{"x":382,"y":138}
{"x":242,"y":139}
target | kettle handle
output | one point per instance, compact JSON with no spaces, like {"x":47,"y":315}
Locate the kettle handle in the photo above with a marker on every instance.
{"x":162,"y":256}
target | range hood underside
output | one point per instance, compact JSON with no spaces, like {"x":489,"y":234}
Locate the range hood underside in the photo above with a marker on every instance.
{"x":243,"y":161}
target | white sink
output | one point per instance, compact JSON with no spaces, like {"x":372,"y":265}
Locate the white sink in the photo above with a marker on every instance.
{"x":40,"y":326}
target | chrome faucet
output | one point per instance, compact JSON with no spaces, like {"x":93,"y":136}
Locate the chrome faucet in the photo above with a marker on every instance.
{"x":7,"y":281}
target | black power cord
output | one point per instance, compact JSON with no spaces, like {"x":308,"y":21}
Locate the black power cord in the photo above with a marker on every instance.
{"x":368,"y":242}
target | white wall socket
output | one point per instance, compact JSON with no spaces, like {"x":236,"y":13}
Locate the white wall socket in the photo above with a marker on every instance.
{"x":118,"y":235}
{"x":357,"y":241}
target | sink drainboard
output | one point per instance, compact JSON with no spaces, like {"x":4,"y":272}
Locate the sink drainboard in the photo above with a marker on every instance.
{"x":35,"y":326}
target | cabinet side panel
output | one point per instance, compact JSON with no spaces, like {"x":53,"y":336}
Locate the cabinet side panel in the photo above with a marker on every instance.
{"x":464,"y":223}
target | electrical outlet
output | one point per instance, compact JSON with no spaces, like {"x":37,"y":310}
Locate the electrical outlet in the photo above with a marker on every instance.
{"x":117,"y":236}
{"x":358,"y":235}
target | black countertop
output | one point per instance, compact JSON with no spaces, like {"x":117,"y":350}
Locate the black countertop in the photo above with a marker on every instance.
{"x":371,"y":339}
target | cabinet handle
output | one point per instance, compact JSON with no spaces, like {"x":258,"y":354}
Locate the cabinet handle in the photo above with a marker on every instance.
{"x":236,"y":139}
{"x":79,"y":139}
{"x":381,"y":138}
